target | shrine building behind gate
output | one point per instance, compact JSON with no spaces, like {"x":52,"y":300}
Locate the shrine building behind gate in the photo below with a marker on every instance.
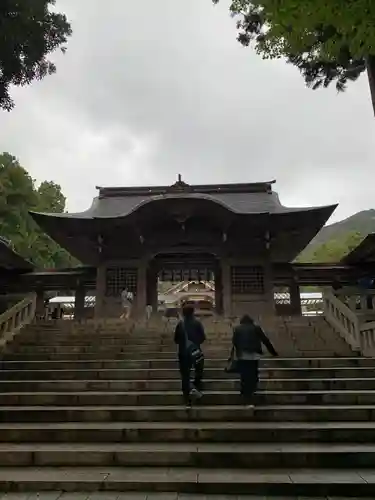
{"x":233,"y":234}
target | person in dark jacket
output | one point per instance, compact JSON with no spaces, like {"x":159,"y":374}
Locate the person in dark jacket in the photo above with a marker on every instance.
{"x":192,"y":329}
{"x":247,"y":341}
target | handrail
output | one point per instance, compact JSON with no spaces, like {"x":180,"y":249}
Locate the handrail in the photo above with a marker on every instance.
{"x":368,"y":338}
{"x":358,"y":299}
{"x":12,"y":320}
{"x":343,"y":320}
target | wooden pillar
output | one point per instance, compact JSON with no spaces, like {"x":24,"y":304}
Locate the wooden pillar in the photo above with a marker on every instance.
{"x":295,"y":299}
{"x":218,"y":290}
{"x":141,"y":295}
{"x":39,"y":306}
{"x":79,"y":303}
{"x":100,"y":291}
{"x":268,"y":276}
{"x":226,"y":288}
{"x":152,"y":288}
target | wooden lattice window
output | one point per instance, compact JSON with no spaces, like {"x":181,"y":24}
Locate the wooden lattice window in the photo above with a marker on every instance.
{"x":118,"y":278}
{"x":282,"y":295}
{"x":247,"y":280}
{"x":177,"y":275}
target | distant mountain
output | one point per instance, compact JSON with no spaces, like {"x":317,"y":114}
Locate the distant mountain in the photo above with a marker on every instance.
{"x":336,"y":240}
{"x":361,"y":222}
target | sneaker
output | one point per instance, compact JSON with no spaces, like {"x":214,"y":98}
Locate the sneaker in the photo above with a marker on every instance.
{"x":194,"y":393}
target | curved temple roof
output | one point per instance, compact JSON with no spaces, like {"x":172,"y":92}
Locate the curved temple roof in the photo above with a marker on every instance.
{"x":10,"y":259}
{"x":79,"y":232}
{"x":242,"y":199}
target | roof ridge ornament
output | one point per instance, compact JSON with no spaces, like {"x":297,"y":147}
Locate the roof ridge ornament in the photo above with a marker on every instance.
{"x":180,"y":185}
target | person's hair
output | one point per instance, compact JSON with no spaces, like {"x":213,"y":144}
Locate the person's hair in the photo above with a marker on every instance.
{"x":187,"y":311}
{"x":246,"y":320}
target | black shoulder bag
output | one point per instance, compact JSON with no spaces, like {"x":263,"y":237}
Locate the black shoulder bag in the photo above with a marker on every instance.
{"x":232,"y":363}
{"x":193,"y":351}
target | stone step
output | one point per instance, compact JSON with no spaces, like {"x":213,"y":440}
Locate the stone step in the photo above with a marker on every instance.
{"x":195,"y":455}
{"x":219,"y":329}
{"x":118,"y":495}
{"x":178,"y":413}
{"x":292,"y":482}
{"x":229,"y":384}
{"x":119,"y":353}
{"x":172,"y":363}
{"x":22,"y":341}
{"x":156,"y":374}
{"x":144,"y":337}
{"x":153,"y":398}
{"x":137,"y":337}
{"x":191,"y":432}
{"x":307,"y":334}
{"x":287,"y":349}
{"x":309,"y":340}
{"x":133,"y":342}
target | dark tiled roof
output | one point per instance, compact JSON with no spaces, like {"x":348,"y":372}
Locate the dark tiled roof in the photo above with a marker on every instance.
{"x":238,"y":198}
{"x":363,"y":253}
{"x":10,"y":259}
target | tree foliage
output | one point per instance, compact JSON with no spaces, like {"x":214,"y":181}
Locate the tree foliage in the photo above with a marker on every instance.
{"x":18,"y":195}
{"x":333,"y":250}
{"x":327,"y":41}
{"x":29,"y":32}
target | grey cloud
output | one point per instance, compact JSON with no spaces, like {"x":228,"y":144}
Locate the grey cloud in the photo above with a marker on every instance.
{"x":154,"y":88}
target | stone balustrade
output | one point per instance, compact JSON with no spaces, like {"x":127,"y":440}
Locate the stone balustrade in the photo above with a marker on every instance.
{"x":359,"y":300}
{"x":348,"y":312}
{"x":368,"y":338}
{"x":12,"y":320}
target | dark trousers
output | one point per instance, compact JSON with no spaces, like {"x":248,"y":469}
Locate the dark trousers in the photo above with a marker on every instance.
{"x":185,"y":366}
{"x":249,"y":373}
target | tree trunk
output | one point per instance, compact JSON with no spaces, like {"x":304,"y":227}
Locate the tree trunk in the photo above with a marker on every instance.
{"x":370,"y":63}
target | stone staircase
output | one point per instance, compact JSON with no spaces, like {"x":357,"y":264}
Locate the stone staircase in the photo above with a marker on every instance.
{"x":97,"y":410}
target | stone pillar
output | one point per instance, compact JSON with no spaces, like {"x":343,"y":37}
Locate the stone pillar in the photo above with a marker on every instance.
{"x":226,"y":288}
{"x":100,"y":291}
{"x":141,"y":295}
{"x":218,"y":291}
{"x":79,"y":303}
{"x":295,"y":299}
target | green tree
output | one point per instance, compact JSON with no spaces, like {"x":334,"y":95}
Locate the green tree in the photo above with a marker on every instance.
{"x":327,"y":41}
{"x":51,"y":198}
{"x":30,"y":31}
{"x":18,"y":195}
{"x":333,"y":250}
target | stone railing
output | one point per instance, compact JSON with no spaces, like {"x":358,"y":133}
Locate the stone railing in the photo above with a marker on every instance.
{"x":353,"y":322}
{"x":12,"y":320}
{"x":359,"y":300}
{"x":342,"y":319}
{"x":368,"y":338}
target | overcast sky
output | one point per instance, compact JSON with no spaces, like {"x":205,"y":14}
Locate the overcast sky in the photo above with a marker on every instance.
{"x":149,"y":89}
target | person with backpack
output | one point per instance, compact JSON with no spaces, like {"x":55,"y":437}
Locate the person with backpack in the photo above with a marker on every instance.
{"x":189,"y":336}
{"x":247,"y":342}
